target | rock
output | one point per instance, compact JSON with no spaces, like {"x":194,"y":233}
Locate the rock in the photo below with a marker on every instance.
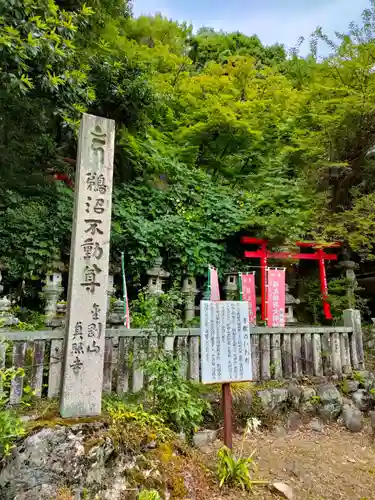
{"x":203,"y":438}
{"x":330,"y":402}
{"x":273,"y":399}
{"x":283,"y":490}
{"x":82,"y":458}
{"x":294,"y":395}
{"x":350,"y":386}
{"x":307,"y":405}
{"x":294,"y":421}
{"x":353,"y":418}
{"x":316,"y":425}
{"x":48,"y":457}
{"x":372,"y":421}
{"x":362,"y":400}
{"x":279,"y":431}
{"x":366,"y":379}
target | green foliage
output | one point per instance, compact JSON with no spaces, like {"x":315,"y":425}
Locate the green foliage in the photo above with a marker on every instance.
{"x":149,"y":495}
{"x":133,"y":428}
{"x":161,"y":313}
{"x":177,"y":400}
{"x":359,"y":378}
{"x":11,"y":426}
{"x":217,"y":135}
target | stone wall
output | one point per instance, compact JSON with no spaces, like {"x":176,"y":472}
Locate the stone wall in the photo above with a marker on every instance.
{"x":318,"y":400}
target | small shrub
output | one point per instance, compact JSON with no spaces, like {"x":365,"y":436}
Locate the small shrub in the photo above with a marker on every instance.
{"x":177,"y":400}
{"x":149,"y":495}
{"x":234,"y":472}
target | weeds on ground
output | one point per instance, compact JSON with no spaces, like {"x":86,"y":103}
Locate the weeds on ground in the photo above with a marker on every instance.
{"x":149,"y":495}
{"x":234,"y":471}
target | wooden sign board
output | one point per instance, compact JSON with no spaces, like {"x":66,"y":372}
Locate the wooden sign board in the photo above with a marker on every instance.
{"x":225,"y":342}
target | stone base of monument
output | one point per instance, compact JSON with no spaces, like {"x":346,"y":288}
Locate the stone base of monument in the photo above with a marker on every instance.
{"x":91,"y":460}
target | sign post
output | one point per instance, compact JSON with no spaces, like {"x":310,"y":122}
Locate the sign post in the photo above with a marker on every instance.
{"x":225,"y":350}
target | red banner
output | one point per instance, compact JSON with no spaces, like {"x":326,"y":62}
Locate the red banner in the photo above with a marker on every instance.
{"x":276,"y":298}
{"x":248,"y":294}
{"x":214,"y":284}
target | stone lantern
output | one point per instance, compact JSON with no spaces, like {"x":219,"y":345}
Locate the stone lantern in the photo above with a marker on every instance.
{"x":349,"y":268}
{"x":231,"y":286}
{"x":157,"y":277}
{"x":189,"y":290}
{"x":289,"y":301}
{"x":52,"y":291}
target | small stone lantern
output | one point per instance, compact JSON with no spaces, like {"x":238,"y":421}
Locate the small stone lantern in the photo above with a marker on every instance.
{"x":289,"y":301}
{"x":231,"y":286}
{"x":189,"y":289}
{"x":157,"y":278}
{"x":349,"y":267}
{"x":52,"y":290}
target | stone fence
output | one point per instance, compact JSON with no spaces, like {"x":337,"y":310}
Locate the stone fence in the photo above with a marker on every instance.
{"x":277,"y":353}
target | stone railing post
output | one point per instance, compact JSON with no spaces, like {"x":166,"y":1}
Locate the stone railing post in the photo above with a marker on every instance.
{"x":157,"y":278}
{"x":189,"y":290}
{"x":352,"y":319}
{"x":52,"y":291}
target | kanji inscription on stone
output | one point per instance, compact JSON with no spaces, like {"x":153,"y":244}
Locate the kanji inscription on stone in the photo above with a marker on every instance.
{"x":225,"y":342}
{"x":81,"y":393}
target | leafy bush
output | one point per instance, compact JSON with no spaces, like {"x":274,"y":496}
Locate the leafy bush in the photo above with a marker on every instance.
{"x":176,"y":399}
{"x":149,"y":495}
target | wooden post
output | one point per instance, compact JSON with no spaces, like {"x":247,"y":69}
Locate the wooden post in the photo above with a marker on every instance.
{"x":227,"y":410}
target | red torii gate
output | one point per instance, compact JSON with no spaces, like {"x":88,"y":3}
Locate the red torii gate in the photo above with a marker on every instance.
{"x":263,"y":254}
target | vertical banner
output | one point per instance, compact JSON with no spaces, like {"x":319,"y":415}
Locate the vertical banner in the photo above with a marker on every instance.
{"x":214,"y":284}
{"x":276,"y":297}
{"x":247,"y":283}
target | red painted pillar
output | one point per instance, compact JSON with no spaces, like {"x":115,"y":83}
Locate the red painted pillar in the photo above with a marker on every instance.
{"x":323,"y":285}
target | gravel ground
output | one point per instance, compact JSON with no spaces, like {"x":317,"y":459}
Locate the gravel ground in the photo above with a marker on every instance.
{"x":332,"y":464}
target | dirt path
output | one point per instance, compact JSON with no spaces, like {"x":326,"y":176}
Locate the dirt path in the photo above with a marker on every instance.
{"x":331,"y":465}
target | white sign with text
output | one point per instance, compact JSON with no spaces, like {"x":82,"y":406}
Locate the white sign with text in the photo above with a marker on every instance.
{"x":225,"y":342}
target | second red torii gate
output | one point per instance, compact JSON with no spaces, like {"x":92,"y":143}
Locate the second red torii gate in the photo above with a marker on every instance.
{"x":263,"y":254}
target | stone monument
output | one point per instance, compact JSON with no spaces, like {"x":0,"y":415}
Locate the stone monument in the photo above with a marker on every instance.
{"x":81,"y":393}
